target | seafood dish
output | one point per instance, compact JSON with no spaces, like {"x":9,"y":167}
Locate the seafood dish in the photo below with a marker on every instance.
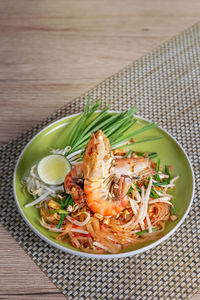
{"x":99,"y":193}
{"x":109,"y":200}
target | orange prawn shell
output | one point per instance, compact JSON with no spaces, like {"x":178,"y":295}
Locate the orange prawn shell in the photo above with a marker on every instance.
{"x":98,"y":166}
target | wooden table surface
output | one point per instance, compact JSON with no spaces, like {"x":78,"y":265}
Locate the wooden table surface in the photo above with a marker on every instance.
{"x":51,"y":52}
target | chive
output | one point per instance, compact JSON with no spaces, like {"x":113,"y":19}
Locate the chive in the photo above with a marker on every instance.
{"x":114,"y":126}
{"x":108,"y":122}
{"x":159,"y":183}
{"x":140,"y":154}
{"x":158,"y":165}
{"x":153,"y":194}
{"x":60,"y":202}
{"x":79,"y":127}
{"x":79,"y":123}
{"x":62,"y":217}
{"x":98,"y":123}
{"x":133,"y":144}
{"x":123,"y":129}
{"x":130,"y":189}
{"x":167,"y":180}
{"x":124,"y":120}
{"x":137,"y":187}
{"x":148,"y":140}
{"x":67,"y":201}
{"x":145,"y":231}
{"x":128,"y":153}
{"x":130,"y":135}
{"x":157,"y":178}
{"x":146,"y":185}
{"x":56,"y":199}
{"x":64,"y":187}
{"x":167,"y":170}
{"x":152,"y":155}
{"x":95,"y":121}
{"x":94,"y":107}
{"x":82,"y":143}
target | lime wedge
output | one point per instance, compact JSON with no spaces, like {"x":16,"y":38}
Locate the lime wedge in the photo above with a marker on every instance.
{"x":52,"y":169}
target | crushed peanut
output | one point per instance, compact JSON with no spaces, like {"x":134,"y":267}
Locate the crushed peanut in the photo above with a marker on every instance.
{"x":53,"y":204}
{"x":98,"y":216}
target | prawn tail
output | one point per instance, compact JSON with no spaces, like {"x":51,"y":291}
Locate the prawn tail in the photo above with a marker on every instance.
{"x":77,"y":193}
{"x":71,"y":184}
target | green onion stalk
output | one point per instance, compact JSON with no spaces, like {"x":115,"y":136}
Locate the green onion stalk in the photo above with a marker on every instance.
{"x":115,"y":126}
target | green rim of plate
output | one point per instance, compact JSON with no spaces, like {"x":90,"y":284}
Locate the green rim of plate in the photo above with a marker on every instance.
{"x":54,"y":136}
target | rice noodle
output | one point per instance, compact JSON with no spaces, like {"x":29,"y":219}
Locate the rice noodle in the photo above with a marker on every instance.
{"x":149,"y":223}
{"x":84,"y":230}
{"x":146,"y":199}
{"x":174,"y":179}
{"x":51,"y":227}
{"x":161,"y":175}
{"x":61,"y":151}
{"x":101,"y":246}
{"x":133,"y":206}
{"x":80,"y":231}
{"x":74,"y":154}
{"x":142,"y":225}
{"x":162,"y":195}
{"x":41,"y":198}
{"x":137,"y":196}
{"x":74,"y":221}
{"x":160,"y":200}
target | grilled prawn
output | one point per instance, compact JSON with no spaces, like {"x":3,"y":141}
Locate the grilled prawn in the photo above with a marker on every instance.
{"x":106,"y":181}
{"x":98,"y":175}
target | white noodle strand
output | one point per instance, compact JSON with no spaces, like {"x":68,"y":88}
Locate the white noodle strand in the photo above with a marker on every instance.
{"x":72,"y":220}
{"x":41,"y":198}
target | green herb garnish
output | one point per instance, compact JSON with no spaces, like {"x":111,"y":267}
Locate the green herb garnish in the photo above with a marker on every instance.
{"x":62,"y":217}
{"x":140,"y":154}
{"x":167,"y":180}
{"x":157,"y":178}
{"x":114,"y":126}
{"x":172,"y":208}
{"x":152,"y":155}
{"x":158,"y":165}
{"x":130,"y":189}
{"x":153,"y":194}
{"x":146,"y":231}
{"x":137,"y":187}
{"x":159,"y":183}
{"x":65,"y":202}
{"x":128,"y":153}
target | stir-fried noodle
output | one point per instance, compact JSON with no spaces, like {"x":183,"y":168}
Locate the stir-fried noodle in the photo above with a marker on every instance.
{"x":117,"y":199}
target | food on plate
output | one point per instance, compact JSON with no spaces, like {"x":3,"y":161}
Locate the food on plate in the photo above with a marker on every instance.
{"x":103,"y":196}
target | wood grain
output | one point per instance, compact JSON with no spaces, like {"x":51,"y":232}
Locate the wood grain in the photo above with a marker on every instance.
{"x":50,"y":53}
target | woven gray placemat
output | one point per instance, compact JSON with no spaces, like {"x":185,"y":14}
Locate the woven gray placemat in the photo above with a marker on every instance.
{"x":165,"y":85}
